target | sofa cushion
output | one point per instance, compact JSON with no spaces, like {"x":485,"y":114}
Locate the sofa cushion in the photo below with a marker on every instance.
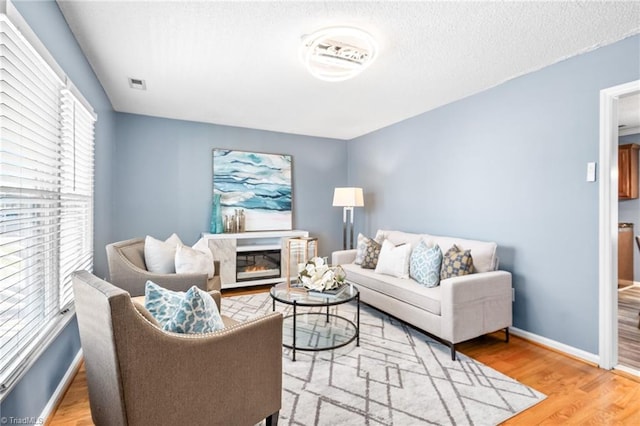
{"x":399,"y":237}
{"x":425,"y":264}
{"x":394,"y":260}
{"x":405,"y":290}
{"x":361,"y":248}
{"x":483,"y":253}
{"x":371,"y":253}
{"x":456,"y":263}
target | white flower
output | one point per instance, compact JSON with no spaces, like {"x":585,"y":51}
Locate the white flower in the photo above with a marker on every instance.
{"x":317,"y":275}
{"x":327,"y":280}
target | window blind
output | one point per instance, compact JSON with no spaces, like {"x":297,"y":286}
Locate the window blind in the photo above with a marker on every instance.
{"x":76,"y":194}
{"x":46,"y":198}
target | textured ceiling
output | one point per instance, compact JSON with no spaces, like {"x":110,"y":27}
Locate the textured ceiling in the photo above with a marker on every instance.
{"x":236,"y":63}
{"x":629,"y":115}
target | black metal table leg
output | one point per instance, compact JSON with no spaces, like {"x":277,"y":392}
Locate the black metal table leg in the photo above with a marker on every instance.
{"x":293,"y":346}
{"x":327,"y":313}
{"x":358,"y":320}
{"x":273,"y":305}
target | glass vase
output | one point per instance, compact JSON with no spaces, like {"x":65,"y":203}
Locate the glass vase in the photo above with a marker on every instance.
{"x":216,"y":226}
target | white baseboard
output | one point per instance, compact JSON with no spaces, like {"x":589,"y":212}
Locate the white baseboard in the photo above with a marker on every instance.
{"x":570,"y":350}
{"x":62,"y":387}
{"x":632,"y":284}
{"x":628,"y":370}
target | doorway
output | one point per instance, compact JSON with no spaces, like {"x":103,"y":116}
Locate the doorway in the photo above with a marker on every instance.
{"x":608,"y":223}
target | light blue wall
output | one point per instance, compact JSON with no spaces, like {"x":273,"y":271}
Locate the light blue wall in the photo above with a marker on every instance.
{"x":505,"y":165}
{"x":34,"y":390}
{"x":163,"y":171}
{"x":629,"y":211}
{"x":46,"y":20}
{"x":508,"y":165}
{"x":29,"y":398}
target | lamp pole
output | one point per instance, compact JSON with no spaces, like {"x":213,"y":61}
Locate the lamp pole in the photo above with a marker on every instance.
{"x":347,"y":198}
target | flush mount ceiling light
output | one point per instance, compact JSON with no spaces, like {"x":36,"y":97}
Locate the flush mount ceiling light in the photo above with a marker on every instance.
{"x":337,"y":53}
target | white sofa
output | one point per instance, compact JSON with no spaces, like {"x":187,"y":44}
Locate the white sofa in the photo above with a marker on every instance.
{"x":459,"y":309}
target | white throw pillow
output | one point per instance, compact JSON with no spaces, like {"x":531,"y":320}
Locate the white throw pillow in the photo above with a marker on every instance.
{"x":159,"y":255}
{"x":394,"y":260}
{"x":195,"y":260}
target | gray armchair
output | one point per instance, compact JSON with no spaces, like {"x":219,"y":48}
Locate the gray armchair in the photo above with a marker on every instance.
{"x":127,"y":270}
{"x":138,"y":374}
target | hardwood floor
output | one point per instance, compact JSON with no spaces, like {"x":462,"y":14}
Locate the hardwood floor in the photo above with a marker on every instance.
{"x":577,"y":393}
{"x":629,"y":327}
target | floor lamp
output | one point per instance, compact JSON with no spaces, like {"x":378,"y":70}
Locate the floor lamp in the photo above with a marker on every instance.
{"x":347,"y":198}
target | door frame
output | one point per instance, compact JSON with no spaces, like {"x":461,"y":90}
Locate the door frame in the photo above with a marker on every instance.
{"x":608,"y":222}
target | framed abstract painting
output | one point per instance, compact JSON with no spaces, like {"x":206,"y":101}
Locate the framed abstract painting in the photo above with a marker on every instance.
{"x":258,"y":183}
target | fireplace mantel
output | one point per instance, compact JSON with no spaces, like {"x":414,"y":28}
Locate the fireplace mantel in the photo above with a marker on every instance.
{"x":225,"y":248}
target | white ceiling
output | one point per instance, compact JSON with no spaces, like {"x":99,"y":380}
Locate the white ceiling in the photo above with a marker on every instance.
{"x":236,"y":63}
{"x":629,"y":115}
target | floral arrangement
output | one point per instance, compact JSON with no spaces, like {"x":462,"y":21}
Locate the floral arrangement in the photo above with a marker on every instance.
{"x":317,"y":275}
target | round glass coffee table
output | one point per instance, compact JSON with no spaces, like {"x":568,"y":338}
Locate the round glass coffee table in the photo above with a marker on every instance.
{"x":316,"y":329}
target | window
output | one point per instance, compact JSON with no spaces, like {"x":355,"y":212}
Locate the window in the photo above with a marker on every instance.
{"x":46,"y":198}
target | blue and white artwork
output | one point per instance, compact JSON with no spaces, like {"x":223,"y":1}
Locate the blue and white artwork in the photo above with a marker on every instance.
{"x":258,"y":183}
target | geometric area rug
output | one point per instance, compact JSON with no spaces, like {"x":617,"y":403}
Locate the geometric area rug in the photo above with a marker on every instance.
{"x":397,"y":376}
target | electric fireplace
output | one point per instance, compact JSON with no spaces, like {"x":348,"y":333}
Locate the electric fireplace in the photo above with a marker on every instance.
{"x":257,"y":265}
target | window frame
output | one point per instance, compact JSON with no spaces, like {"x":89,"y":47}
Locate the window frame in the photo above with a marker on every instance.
{"x":58,"y":292}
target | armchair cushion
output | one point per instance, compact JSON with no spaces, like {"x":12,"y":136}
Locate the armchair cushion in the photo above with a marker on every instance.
{"x":159,"y":256}
{"x":160,"y":302}
{"x":195,"y":260}
{"x":194,"y":311}
{"x":139,"y":304}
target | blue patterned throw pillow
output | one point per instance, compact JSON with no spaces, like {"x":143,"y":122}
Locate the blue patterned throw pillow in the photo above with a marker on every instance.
{"x":191,"y":312}
{"x":197,"y":313}
{"x":425,"y":263}
{"x":160,"y":302}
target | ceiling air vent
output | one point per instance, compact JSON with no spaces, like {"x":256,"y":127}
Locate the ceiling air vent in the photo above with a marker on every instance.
{"x":136,"y":83}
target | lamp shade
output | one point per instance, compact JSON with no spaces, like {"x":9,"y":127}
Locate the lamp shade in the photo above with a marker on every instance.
{"x":348,"y":197}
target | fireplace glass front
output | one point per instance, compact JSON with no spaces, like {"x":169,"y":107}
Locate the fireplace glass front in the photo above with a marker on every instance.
{"x":257,"y":265}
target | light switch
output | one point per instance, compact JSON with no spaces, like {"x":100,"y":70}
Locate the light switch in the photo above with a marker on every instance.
{"x":591,"y":172}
